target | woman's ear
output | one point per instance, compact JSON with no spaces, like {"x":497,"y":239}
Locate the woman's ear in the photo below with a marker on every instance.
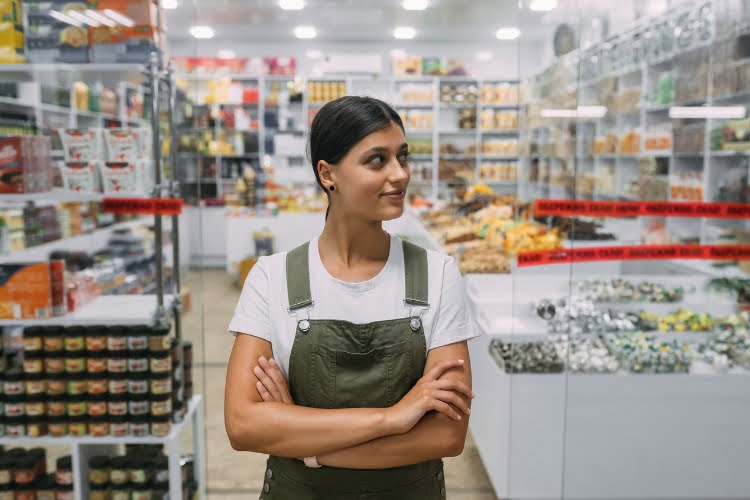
{"x":325,"y":172}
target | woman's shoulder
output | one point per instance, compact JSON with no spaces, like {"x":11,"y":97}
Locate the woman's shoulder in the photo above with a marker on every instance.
{"x":436,"y":259}
{"x":275,"y":263}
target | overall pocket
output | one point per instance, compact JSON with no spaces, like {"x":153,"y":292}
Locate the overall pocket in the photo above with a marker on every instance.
{"x":373,"y":379}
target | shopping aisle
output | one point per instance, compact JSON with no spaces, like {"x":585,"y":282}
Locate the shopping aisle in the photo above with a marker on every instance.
{"x":234,"y":475}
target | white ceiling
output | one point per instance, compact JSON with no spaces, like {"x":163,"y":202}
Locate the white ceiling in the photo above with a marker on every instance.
{"x":355,"y":20}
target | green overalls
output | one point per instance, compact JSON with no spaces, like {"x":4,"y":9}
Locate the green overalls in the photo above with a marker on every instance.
{"x":338,"y":364}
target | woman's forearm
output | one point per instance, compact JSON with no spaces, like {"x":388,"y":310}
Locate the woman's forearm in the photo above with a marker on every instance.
{"x":435,"y":436}
{"x":296,"y":431}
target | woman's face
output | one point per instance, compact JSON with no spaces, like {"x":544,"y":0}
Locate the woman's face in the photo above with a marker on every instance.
{"x":372,"y":178}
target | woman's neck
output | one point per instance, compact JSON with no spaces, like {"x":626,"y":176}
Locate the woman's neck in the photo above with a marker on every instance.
{"x":347,"y":243}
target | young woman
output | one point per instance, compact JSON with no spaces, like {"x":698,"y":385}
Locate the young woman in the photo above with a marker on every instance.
{"x":350,"y":366}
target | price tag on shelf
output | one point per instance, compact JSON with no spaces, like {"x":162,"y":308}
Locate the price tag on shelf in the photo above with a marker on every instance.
{"x":637,"y":252}
{"x":143,"y":206}
{"x":543,"y":207}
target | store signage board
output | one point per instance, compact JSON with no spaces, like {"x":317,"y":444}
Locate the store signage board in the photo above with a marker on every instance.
{"x":637,"y":252}
{"x":141,"y":206}
{"x":544,"y":207}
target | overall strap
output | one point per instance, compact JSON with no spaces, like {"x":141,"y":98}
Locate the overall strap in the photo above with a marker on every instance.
{"x":415,"y":265}
{"x":298,"y":277}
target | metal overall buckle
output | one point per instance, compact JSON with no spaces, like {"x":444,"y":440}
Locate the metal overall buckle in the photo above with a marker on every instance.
{"x":416,"y":320}
{"x":302,"y":324}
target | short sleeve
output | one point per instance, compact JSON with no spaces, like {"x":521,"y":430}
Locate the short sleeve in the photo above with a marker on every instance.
{"x":252,"y":314}
{"x":453,"y":322}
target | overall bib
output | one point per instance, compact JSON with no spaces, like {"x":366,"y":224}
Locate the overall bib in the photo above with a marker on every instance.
{"x":339,"y":364}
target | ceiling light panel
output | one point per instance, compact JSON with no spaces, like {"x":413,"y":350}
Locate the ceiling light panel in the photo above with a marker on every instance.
{"x":404,"y":33}
{"x":101,"y":18}
{"x":202,"y":32}
{"x":305,"y":32}
{"x":292,"y":4}
{"x":120,"y":18}
{"x":542,"y":5}
{"x":84,"y":18}
{"x":507,"y":33}
{"x":415,"y":4}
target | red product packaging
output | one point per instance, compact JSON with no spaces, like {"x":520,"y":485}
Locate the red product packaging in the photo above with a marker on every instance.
{"x":25,"y":165}
{"x":57,"y":286}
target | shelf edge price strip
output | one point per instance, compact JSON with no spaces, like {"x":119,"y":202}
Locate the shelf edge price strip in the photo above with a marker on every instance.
{"x":141,"y":206}
{"x":544,"y":207}
{"x":634,"y":252}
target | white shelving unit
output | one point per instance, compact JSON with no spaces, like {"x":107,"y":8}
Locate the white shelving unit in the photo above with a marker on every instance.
{"x":104,"y":310}
{"x":83,"y":448}
{"x":383,"y":87}
{"x":583,"y":79}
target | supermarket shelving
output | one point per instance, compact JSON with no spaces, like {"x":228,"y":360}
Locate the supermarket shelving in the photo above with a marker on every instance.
{"x":83,"y":448}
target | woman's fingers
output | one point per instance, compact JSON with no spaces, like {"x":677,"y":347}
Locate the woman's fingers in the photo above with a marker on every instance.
{"x":272,"y":370}
{"x":268,"y":383}
{"x":441,"y":367}
{"x":453,"y":385}
{"x":445,"y":409}
{"x":264,"y":394}
{"x":454,"y":399}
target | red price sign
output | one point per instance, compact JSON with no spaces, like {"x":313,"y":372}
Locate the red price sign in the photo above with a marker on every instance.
{"x":141,"y":206}
{"x":544,"y":207}
{"x":639,"y":252}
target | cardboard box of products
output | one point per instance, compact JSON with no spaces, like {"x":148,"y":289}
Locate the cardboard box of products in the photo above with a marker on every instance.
{"x":33,"y":290}
{"x":25,"y":164}
{"x":49,"y":40}
{"x":11,"y":32}
{"x":124,"y":44}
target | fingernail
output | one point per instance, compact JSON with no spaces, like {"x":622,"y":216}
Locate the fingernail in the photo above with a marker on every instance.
{"x":257,"y":369}
{"x":473,"y":395}
{"x":461,"y":361}
{"x":459,"y":417}
{"x":468,"y":411}
{"x":272,"y":361}
{"x":263,"y":359}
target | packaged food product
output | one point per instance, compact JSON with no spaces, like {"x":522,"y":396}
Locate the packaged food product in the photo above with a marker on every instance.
{"x":26,"y":290}
{"x":79,"y":177}
{"x":118,"y":178}
{"x":122,"y":145}
{"x":25,"y":164}
{"x":80,"y":146}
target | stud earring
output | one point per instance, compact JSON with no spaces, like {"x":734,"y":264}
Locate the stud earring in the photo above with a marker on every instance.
{"x":332,"y":188}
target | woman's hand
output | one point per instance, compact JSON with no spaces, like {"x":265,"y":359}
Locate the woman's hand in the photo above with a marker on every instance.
{"x":431,"y":393}
{"x":271,"y":385}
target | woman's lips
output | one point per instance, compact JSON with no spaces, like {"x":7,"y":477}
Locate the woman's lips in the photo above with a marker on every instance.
{"x":397,"y":196}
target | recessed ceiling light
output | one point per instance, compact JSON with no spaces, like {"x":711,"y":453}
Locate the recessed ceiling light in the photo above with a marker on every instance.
{"x":313,"y":54}
{"x":227,"y":54}
{"x":404,"y":32}
{"x":484,"y":55}
{"x":292,"y":4}
{"x":542,"y":5}
{"x":169,"y":4}
{"x":202,"y":32}
{"x":305,"y":32}
{"x":398,"y":53}
{"x":120,"y":18}
{"x":102,"y":19}
{"x":84,"y":19}
{"x":415,"y":4}
{"x":508,"y":33}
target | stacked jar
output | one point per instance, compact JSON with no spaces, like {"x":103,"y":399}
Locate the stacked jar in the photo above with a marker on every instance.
{"x":23,"y":476}
{"x":141,"y":474}
{"x":93,"y":380}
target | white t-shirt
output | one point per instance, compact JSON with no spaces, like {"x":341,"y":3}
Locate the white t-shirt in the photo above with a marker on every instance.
{"x":262,"y":308}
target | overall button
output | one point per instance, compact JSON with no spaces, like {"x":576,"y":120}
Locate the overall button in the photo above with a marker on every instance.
{"x":267,"y":488}
{"x":415,"y":323}
{"x":269,"y":474}
{"x":442,"y":492}
{"x":439,"y":475}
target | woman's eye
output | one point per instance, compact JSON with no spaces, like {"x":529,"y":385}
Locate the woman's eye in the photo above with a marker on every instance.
{"x":404,"y":157}
{"x":377,"y":160}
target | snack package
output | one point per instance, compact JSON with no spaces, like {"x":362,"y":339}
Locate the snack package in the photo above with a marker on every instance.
{"x":122,"y":145}
{"x":80,"y":146}
{"x":119,"y":178}
{"x":80,"y":177}
{"x":25,"y":164}
{"x":146,"y":175}
{"x":26,"y":290}
{"x":49,"y":40}
{"x":121,"y":44}
{"x":144,"y":143}
{"x":11,"y":32}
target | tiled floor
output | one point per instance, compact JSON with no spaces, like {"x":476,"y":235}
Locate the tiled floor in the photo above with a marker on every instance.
{"x":233,"y":475}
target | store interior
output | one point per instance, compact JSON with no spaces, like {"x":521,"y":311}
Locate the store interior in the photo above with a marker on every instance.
{"x":585,"y":162}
